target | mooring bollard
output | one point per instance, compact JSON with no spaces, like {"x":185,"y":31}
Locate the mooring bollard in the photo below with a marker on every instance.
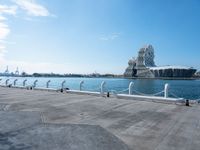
{"x":15,"y":82}
{"x":166,"y":90}
{"x":108,"y":94}
{"x":130,"y":88}
{"x":7,"y":81}
{"x":24,"y":82}
{"x":102,"y":88}
{"x":81,"y":85}
{"x":187,"y":103}
{"x":47,"y":84}
{"x":35,"y":83}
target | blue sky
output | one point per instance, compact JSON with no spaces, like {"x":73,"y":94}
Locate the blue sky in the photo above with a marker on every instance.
{"x":84,"y":36}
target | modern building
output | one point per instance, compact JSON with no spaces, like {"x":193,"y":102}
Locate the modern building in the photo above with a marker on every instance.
{"x":144,"y":66}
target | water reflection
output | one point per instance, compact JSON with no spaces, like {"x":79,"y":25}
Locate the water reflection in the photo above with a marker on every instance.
{"x":145,"y":86}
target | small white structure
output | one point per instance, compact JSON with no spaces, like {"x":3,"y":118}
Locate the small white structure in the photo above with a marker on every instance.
{"x":81,"y":85}
{"x":130,"y":88}
{"x":102,"y":88}
{"x":35,"y":83}
{"x":62,"y":84}
{"x":166,"y":90}
{"x":7,"y":81}
{"x":47,"y":84}
{"x":15,"y":82}
{"x":24,"y":82}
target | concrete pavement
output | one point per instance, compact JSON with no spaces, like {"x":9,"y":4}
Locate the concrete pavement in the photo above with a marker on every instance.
{"x":42,"y":120}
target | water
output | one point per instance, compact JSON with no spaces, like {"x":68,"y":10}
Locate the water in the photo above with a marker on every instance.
{"x":189,"y":89}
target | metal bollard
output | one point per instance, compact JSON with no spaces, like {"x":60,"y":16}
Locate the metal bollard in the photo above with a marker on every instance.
{"x":130,"y":88}
{"x":108,"y":94}
{"x":15,"y":81}
{"x":81,"y":85}
{"x":47,"y":84}
{"x":187,"y":103}
{"x":166,"y":90}
{"x":7,"y":81}
{"x":24,"y":82}
{"x":102,"y":88}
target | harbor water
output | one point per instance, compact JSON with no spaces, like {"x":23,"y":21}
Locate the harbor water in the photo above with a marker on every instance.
{"x":188,"y":89}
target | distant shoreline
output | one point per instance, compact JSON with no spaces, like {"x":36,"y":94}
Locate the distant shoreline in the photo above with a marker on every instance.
{"x":104,"y":76}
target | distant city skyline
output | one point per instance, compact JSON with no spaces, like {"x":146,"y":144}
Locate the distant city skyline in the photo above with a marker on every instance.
{"x":86,"y":36}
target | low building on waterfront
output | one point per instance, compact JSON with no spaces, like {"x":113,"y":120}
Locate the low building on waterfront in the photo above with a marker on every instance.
{"x":197,"y":74}
{"x":144,"y":66}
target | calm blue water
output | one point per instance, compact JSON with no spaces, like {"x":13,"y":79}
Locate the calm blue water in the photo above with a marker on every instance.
{"x":189,"y":89}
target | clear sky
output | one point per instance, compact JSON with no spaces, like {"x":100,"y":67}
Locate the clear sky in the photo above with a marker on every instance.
{"x":86,"y":36}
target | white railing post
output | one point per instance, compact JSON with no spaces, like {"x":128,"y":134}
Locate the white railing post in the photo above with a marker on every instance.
{"x":81,"y":85}
{"x":15,"y":81}
{"x":35,"y":83}
{"x":166,"y":90}
{"x":47,"y":84}
{"x":102,"y":88}
{"x":24,"y":82}
{"x":62,"y":85}
{"x":7,"y":81}
{"x":130,"y":88}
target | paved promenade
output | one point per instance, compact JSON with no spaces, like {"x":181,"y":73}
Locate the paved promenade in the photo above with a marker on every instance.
{"x":32,"y":119}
